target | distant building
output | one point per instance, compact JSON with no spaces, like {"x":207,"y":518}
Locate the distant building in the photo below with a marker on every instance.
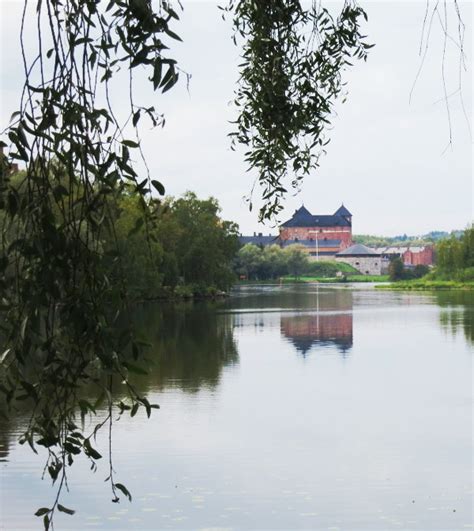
{"x":412,"y":255}
{"x":259,"y":239}
{"x":322,"y":235}
{"x":364,"y":259}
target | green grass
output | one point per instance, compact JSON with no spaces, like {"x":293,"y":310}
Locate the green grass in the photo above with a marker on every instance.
{"x":427,"y":285}
{"x":367,"y":278}
{"x":346,"y":268}
{"x":350,"y":278}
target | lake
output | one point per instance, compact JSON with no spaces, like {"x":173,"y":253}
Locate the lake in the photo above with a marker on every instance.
{"x":292,"y":407}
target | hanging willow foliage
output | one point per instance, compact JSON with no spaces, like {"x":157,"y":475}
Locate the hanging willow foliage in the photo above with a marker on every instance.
{"x":290,"y":79}
{"x":66,"y":323}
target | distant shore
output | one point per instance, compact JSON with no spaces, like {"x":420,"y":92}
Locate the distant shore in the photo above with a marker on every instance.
{"x":322,"y":280}
{"x":427,"y":285}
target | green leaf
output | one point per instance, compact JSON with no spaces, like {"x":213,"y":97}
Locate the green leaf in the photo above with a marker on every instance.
{"x":89,"y":451}
{"x":130,"y":143}
{"x":124,"y":489}
{"x":158,"y":187}
{"x":65,"y":509}
{"x":135,"y":368}
{"x":42,"y":511}
{"x":138,"y":225}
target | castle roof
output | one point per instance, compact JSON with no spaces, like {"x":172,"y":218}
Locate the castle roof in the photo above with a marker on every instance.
{"x":342,"y":211}
{"x":358,"y":250}
{"x":303,"y":218}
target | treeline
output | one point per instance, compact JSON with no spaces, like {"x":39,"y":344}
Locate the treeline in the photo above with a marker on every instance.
{"x":254,"y":263}
{"x":154,"y":248}
{"x":272,"y":262}
{"x":187,"y":250}
{"x":397,"y":271}
{"x":402,"y":240}
{"x":455,"y":257}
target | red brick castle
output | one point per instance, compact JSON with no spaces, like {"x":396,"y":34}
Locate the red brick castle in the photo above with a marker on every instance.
{"x":322,"y":235}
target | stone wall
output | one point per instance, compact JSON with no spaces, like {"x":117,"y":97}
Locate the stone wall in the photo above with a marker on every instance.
{"x":366,"y":265}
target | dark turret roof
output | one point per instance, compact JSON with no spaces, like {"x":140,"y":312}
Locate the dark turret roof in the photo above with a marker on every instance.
{"x":342,"y":211}
{"x":303,"y":218}
{"x":358,"y":250}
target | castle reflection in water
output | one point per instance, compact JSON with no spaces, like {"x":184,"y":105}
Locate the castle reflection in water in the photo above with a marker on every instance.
{"x":309,"y":318}
{"x":307,"y":332}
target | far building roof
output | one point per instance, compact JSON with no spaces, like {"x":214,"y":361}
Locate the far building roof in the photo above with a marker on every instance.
{"x":303,"y":218}
{"x":258,"y":239}
{"x":358,"y":250}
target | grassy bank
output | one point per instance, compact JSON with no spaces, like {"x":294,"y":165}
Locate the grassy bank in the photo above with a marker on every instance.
{"x":339,"y":280}
{"x":427,"y":285}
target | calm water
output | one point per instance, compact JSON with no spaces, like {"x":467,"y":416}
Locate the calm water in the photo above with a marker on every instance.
{"x":284,"y":408}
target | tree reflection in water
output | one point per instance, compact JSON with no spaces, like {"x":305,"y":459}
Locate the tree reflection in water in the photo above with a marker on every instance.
{"x":457,"y":312}
{"x":190,"y":344}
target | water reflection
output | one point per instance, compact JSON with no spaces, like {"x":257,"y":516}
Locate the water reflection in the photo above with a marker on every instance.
{"x":308,"y":331}
{"x":457,"y":313}
{"x":308,"y":316}
{"x":265,"y":450}
{"x":190,"y":345}
{"x":5,"y":439}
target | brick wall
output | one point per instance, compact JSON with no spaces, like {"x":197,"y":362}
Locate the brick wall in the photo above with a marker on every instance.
{"x":422,"y":257}
{"x":307,"y":233}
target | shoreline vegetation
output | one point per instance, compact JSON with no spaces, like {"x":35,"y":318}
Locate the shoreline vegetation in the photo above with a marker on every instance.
{"x":454,"y":267}
{"x":427,"y":285}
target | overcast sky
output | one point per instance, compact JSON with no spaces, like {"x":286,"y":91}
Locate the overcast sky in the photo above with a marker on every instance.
{"x":387,"y":160}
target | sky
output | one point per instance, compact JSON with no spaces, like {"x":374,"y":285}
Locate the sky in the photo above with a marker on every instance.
{"x":388,"y":160}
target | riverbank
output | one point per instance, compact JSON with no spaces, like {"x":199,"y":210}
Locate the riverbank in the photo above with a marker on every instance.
{"x":322,"y":280}
{"x":427,"y":285}
{"x":340,"y":280}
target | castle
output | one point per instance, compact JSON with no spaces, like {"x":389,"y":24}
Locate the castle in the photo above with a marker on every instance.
{"x":328,"y":237}
{"x":322,"y":235}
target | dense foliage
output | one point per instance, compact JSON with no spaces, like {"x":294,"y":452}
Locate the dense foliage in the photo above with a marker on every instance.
{"x":293,"y":59}
{"x":397,"y":270}
{"x":273,"y":262}
{"x":403,"y":239}
{"x":455,"y":257}
{"x":188,"y":250}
